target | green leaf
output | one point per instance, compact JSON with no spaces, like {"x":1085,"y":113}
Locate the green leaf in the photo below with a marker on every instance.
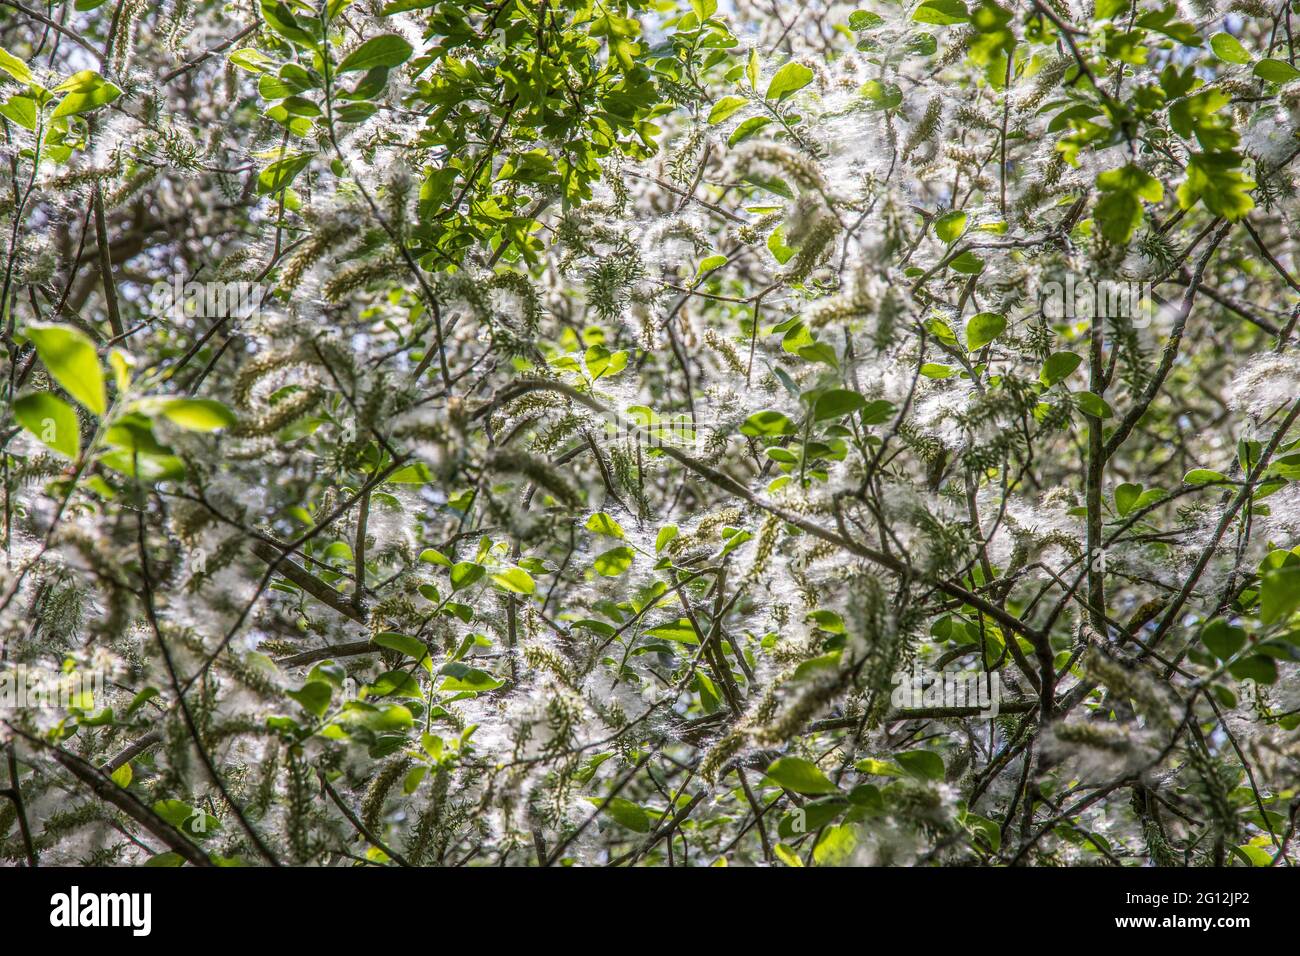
{"x":403,"y":644}
{"x":861,"y":20}
{"x":1222,"y":639}
{"x":314,"y":696}
{"x":626,"y":813}
{"x":835,"y":403}
{"x":515,"y":579}
{"x":1202,"y":476}
{"x":1279,"y":593}
{"x":942,"y":12}
{"x":21,"y":110}
{"x":983,"y":329}
{"x":950,"y":226}
{"x":122,"y":776}
{"x":935,"y":370}
{"x":1059,"y":365}
{"x":462,"y":677}
{"x":922,"y":764}
{"x":394,"y":684}
{"x":883,"y":96}
{"x":281,"y":173}
{"x":16,"y":68}
{"x":666,"y":534}
{"x":252,"y":60}
{"x":679,"y":631}
{"x":1228,"y":48}
{"x":281,"y":20}
{"x":836,"y":845}
{"x":198,"y":414}
{"x":613,"y":562}
{"x":85,"y":91}
{"x":602,"y":523}
{"x":70,"y":357}
{"x":1275,"y":71}
{"x":1258,"y":667}
{"x":52,"y":421}
{"x":967,"y":264}
{"x":465,"y":574}
{"x":1216,"y":179}
{"x":1119,"y":210}
{"x":767,"y":424}
{"x":387,"y":50}
{"x":1093,"y":405}
{"x":416,"y":473}
{"x":787,"y":81}
{"x":787,"y":855}
{"x":801,"y":776}
{"x":725,"y":107}
{"x":1126,"y":496}
{"x":747,"y":129}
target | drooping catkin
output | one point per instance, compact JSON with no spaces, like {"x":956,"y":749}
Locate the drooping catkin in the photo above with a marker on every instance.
{"x":925,"y":129}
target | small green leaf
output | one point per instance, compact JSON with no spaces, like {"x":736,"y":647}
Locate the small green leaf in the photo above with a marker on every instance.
{"x":198,"y":414}
{"x":725,"y":107}
{"x":85,"y":91}
{"x":403,"y":644}
{"x":923,"y":764}
{"x":1275,"y":71}
{"x":1059,"y":365}
{"x":801,"y":776}
{"x":314,"y":696}
{"x":16,"y":68}
{"x":666,"y":534}
{"x":388,"y":50}
{"x":835,"y":403}
{"x":1279,"y":593}
{"x":1202,"y":476}
{"x":70,"y":357}
{"x":836,"y":845}
{"x":1258,"y":667}
{"x":787,"y":81}
{"x":1126,"y":496}
{"x":602,"y":523}
{"x":767,"y":424}
{"x":462,"y":677}
{"x":21,"y":110}
{"x":1228,"y":48}
{"x":613,"y":562}
{"x":950,"y":226}
{"x":967,"y":264}
{"x":281,"y":173}
{"x":1222,"y":639}
{"x":466,"y":574}
{"x":516,"y":580}
{"x":983,"y":329}
{"x":52,"y":421}
{"x":123,"y":775}
{"x":942,"y":12}
{"x":747,"y":129}
{"x":626,"y":813}
{"x":434,"y":556}
{"x":252,"y":60}
{"x":1093,"y":405}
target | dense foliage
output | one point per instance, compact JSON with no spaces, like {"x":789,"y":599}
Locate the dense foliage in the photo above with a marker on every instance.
{"x":558,"y":432}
